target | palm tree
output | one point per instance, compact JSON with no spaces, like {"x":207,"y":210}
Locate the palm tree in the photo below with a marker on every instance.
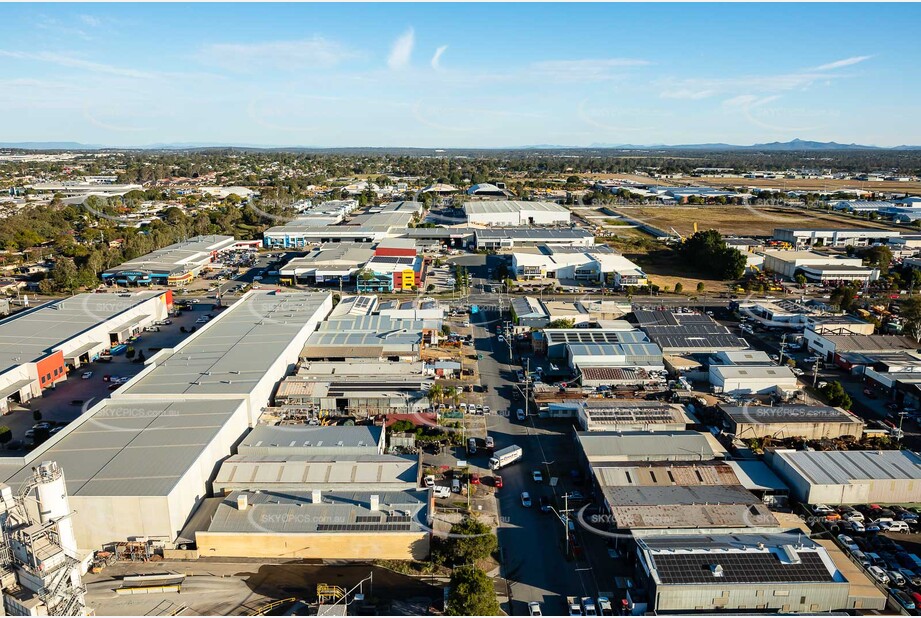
{"x":451,"y":393}
{"x":436,"y":393}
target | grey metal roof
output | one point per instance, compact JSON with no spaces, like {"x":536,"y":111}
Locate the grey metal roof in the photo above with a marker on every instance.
{"x":179,"y":257}
{"x":686,"y":331}
{"x":339,"y":512}
{"x":641,"y":353}
{"x":755,"y":474}
{"x":843,"y":467}
{"x":302,"y":439}
{"x":691,"y":445}
{"x":694,"y":515}
{"x":506,"y":206}
{"x":593,"y":335}
{"x":533,"y":234}
{"x":135,"y":448}
{"x":232,"y":353}
{"x":304,"y":472}
{"x":30,"y":335}
{"x":788,"y":414}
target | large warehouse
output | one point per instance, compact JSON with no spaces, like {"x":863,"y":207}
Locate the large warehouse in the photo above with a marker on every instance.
{"x":139,"y":463}
{"x":174,"y":265}
{"x":743,"y":573}
{"x":598,"y":264}
{"x":511,"y":213}
{"x":40,"y":345}
{"x":818,"y":267}
{"x":849,"y":477}
{"x":509,"y":237}
{"x":788,"y":421}
{"x":807,"y":237}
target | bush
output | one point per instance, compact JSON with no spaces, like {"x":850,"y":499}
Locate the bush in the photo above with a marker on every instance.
{"x":470,"y":540}
{"x":835,"y":394}
{"x":472,"y":594}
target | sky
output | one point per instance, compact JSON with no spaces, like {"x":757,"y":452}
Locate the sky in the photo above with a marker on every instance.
{"x":460,"y":75}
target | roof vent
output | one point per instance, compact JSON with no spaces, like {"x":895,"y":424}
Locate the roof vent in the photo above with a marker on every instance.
{"x":716,"y":570}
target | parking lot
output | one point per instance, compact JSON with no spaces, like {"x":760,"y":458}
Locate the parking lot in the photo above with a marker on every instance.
{"x":73,"y":396}
{"x":885,"y":541}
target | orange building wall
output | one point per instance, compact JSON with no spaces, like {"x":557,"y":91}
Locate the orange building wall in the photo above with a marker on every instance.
{"x":51,"y":369}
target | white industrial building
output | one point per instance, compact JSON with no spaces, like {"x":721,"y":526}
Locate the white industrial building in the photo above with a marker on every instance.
{"x":818,"y":267}
{"x":39,"y":346}
{"x":509,"y":237}
{"x":806,"y":237}
{"x":849,"y":477}
{"x":505,"y":213}
{"x":599,"y":264}
{"x":752,"y":379}
{"x":140,"y":462}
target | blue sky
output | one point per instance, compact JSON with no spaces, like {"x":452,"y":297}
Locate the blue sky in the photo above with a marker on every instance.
{"x":460,"y":75}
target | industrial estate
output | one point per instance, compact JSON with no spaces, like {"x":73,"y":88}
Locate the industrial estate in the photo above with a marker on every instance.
{"x":402,"y":393}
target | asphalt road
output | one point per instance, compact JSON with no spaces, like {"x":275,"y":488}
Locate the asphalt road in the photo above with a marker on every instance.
{"x":532,"y":542}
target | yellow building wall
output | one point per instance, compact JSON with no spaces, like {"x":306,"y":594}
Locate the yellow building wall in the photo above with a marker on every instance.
{"x":409,"y":278}
{"x":325,"y":545}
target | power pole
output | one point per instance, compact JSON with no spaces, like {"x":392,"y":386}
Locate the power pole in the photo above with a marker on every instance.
{"x":783,"y":344}
{"x":566,"y":521}
{"x":527,"y":383}
{"x":815,"y":373}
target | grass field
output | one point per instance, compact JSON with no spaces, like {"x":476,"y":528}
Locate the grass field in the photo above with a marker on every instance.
{"x":740,"y":220}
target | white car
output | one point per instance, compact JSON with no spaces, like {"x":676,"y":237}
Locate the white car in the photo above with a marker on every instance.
{"x":501,"y":339}
{"x":525,"y":499}
{"x":534,"y":609}
{"x":87,"y":375}
{"x":878,"y":574}
{"x":537,"y":476}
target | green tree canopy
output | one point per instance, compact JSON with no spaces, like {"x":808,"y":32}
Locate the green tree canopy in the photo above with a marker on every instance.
{"x":835,"y":394}
{"x":470,"y":540}
{"x":472,"y":593}
{"x":562,"y":323}
{"x":707,"y":251}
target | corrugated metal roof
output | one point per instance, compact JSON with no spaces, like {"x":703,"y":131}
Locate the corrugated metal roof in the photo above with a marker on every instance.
{"x":306,"y":438}
{"x":300,"y":472}
{"x":843,"y":467}
{"x":231,"y":354}
{"x":294,"y":512}
{"x":136,"y":448}
{"x":689,"y":445}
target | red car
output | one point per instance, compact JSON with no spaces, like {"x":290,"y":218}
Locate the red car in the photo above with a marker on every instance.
{"x":474,"y":479}
{"x":497,"y":481}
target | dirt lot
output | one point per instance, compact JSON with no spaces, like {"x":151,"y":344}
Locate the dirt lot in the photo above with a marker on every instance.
{"x":739,"y":220}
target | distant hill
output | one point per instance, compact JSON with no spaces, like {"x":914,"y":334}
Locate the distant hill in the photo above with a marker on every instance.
{"x":791,"y":146}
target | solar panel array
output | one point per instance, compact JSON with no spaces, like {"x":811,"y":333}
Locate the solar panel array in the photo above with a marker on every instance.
{"x":644,"y":415}
{"x":364,"y":527}
{"x":739,"y":568}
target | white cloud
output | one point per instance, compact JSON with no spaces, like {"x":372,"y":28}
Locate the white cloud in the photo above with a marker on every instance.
{"x":76,"y":63}
{"x":90,"y":20}
{"x":585,"y":69}
{"x":402,"y":50}
{"x":316,"y":52}
{"x":437,"y":57}
{"x":748,"y":101}
{"x":687,"y":94}
{"x":846,"y":62}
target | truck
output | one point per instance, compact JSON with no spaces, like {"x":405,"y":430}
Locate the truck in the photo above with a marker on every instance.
{"x":505,"y":456}
{"x":575,"y":609}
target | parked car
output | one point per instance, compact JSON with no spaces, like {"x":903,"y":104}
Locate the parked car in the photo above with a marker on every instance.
{"x":878,"y":574}
{"x":896,"y":578}
{"x":544,"y":502}
{"x":87,"y":375}
{"x":537,"y":476}
{"x":525,"y":499}
{"x":497,"y":481}
{"x":534,"y":609}
{"x":474,"y":479}
{"x":903,"y":598}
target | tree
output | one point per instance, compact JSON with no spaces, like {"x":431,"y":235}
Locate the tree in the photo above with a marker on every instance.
{"x":5,"y":434}
{"x":472,"y":593}
{"x":708,"y":252}
{"x":700,"y":287}
{"x":562,"y":323}
{"x":445,"y":330}
{"x":800,"y":279}
{"x":878,"y":257}
{"x":64,"y":274}
{"x":911,"y":313}
{"x":844,"y":296}
{"x":835,"y":394}
{"x":679,"y":288}
{"x":470,"y":540}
